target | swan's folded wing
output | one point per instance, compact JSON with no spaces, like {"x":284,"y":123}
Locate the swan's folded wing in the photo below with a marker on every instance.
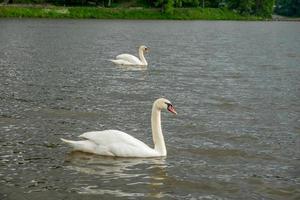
{"x":111,"y":137}
{"x":118,"y":143}
{"x":129,"y":58}
{"x":121,"y":62}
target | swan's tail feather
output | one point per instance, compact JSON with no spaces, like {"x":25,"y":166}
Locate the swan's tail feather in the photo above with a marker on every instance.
{"x":66,"y":141}
{"x":73,"y":144}
{"x":83,"y":145}
{"x":118,"y":62}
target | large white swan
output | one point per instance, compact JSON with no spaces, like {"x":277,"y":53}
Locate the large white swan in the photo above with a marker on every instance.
{"x":127,"y":59}
{"x":120,"y":144}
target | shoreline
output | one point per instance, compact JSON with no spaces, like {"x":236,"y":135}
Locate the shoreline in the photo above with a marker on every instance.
{"x":285,"y":19}
{"x":133,"y":13}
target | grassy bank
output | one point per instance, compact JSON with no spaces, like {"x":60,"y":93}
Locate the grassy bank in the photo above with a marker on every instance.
{"x":120,"y":13}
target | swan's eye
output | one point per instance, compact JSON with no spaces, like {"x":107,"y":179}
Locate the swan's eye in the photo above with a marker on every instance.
{"x":171,"y":108}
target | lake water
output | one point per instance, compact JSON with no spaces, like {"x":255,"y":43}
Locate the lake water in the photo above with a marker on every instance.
{"x":235,"y":86}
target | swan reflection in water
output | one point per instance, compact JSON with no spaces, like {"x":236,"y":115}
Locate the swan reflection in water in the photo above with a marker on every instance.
{"x":150,"y":173}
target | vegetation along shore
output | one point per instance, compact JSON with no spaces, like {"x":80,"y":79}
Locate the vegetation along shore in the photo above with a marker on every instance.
{"x":148,"y":9}
{"x":121,"y":13}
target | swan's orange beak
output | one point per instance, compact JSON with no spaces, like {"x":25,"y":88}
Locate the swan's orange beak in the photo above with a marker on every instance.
{"x":172,"y":109}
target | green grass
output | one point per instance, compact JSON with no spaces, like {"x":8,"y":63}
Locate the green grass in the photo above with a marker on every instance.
{"x":121,"y":13}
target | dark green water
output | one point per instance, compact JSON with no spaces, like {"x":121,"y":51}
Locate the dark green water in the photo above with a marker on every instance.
{"x":235,"y":86}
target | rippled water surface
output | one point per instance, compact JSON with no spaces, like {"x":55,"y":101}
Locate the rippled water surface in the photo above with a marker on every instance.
{"x":235,"y":86}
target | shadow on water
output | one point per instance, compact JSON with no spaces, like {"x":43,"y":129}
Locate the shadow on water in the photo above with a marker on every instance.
{"x":149,"y":172}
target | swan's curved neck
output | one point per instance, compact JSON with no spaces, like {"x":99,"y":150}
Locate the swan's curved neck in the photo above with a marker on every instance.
{"x":142,"y":58}
{"x":158,"y":138}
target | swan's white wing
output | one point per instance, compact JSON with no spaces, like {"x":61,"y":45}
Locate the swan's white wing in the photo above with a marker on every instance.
{"x":117,"y":143}
{"x":129,"y":58}
{"x":121,"y":62}
{"x":109,"y":136}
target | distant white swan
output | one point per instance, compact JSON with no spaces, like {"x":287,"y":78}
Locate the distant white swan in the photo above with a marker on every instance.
{"x":120,"y":144}
{"x":127,"y":59}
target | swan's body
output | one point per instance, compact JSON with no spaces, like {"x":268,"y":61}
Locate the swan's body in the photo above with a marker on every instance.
{"x":112,"y":143}
{"x":118,"y":143}
{"x":128,"y":59}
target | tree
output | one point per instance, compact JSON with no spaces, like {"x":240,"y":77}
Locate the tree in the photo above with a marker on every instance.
{"x":264,"y":7}
{"x":167,"y":6}
{"x":257,"y":7}
{"x":242,"y":6}
{"x":288,"y":7}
